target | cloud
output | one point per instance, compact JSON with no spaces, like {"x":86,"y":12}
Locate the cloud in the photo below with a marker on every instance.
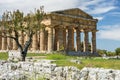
{"x":99,"y":18}
{"x":29,"y":5}
{"x":91,"y":6}
{"x":101,"y":10}
{"x":98,"y":6}
{"x":109,"y":32}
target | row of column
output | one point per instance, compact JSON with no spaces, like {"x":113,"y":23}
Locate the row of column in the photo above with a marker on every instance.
{"x":57,"y":38}
{"x":64,"y":39}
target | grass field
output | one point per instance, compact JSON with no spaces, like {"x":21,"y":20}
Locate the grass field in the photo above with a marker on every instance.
{"x":63,"y":60}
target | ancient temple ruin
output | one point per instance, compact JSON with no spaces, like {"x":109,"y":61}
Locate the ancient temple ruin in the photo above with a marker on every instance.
{"x":62,"y":33}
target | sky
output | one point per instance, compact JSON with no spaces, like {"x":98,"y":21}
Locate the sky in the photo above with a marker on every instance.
{"x":106,"y":11}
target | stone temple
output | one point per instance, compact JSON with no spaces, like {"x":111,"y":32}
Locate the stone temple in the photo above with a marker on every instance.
{"x":65,"y":31}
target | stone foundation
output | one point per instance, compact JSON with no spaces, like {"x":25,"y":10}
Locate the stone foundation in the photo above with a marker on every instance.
{"x":45,"y":70}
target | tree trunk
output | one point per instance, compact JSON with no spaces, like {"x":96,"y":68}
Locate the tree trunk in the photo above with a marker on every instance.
{"x":23,"y":55}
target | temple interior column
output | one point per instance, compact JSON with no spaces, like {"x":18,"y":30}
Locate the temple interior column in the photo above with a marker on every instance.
{"x":70,"y":44}
{"x":60,"y":39}
{"x":93,"y":47}
{"x":86,"y":41}
{"x":50,"y":39}
{"x":42,"y":31}
{"x":34,"y":42}
{"x":78,"y":39}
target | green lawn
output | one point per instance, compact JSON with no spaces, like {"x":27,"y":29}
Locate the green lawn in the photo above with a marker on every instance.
{"x":63,"y":60}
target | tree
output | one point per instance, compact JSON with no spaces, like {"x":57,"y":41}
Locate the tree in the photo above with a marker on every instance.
{"x":102,"y":52}
{"x":13,"y":24}
{"x":117,"y":51}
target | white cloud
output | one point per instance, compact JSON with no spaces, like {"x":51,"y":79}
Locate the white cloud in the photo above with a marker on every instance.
{"x":98,"y":6}
{"x":110,"y":32}
{"x":99,"y":18}
{"x":100,"y":10}
{"x":29,"y":5}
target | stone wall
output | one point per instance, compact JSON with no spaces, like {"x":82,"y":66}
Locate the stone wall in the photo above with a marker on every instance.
{"x":46,"y":70}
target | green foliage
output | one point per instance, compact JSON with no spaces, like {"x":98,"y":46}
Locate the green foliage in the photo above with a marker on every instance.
{"x":3,"y":56}
{"x":109,"y":53}
{"x":102,"y":52}
{"x":117,"y":50}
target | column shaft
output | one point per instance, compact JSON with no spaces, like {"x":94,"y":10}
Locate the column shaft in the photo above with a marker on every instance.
{"x":9,"y":41}
{"x":86,"y":41}
{"x":64,"y":39}
{"x":0,"y":42}
{"x":78,"y":39}
{"x":93,"y":47}
{"x":34,"y":42}
{"x":14,"y":47}
{"x":56,"y":39}
{"x":70,"y":44}
{"x":21,"y":38}
{"x":60,"y":45}
{"x":50,"y":39}
{"x":42,"y":31}
{"x":4,"y":43}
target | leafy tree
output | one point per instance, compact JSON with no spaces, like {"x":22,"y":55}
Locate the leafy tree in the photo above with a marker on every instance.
{"x":117,"y":51}
{"x":13,"y":24}
{"x":102,"y":52}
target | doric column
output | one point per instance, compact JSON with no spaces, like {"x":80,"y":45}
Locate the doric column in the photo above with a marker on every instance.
{"x":70,"y":44}
{"x":9,"y":41}
{"x":14,"y":43}
{"x":46,"y":40}
{"x":86,"y":41}
{"x":78,"y":39}
{"x":93,"y":46}
{"x":42,"y":31}
{"x":21,"y":38}
{"x":56,"y":39}
{"x":34,"y":42}
{"x":4,"y":43}
{"x":64,"y":39}
{"x":50,"y":39}
{"x":60,"y":39}
{"x":0,"y":42}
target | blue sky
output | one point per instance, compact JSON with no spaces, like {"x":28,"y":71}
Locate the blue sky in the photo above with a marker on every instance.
{"x":106,"y":11}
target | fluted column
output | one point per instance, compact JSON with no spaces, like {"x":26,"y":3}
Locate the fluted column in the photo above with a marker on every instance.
{"x":78,"y":39}
{"x":0,"y":42}
{"x":86,"y":41}
{"x":14,"y":43}
{"x":93,"y":46}
{"x":64,"y":39}
{"x":50,"y":39}
{"x":21,"y":38}
{"x":34,"y":42}
{"x":56,"y":39}
{"x":42,"y":31}
{"x":46,"y":40}
{"x":4,"y":43}
{"x":70,"y":44}
{"x":9,"y":41}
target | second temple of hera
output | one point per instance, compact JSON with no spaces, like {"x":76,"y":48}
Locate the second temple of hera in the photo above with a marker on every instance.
{"x":63,"y":32}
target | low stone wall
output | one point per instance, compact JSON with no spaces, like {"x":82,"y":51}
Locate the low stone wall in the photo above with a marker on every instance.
{"x":46,"y":70}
